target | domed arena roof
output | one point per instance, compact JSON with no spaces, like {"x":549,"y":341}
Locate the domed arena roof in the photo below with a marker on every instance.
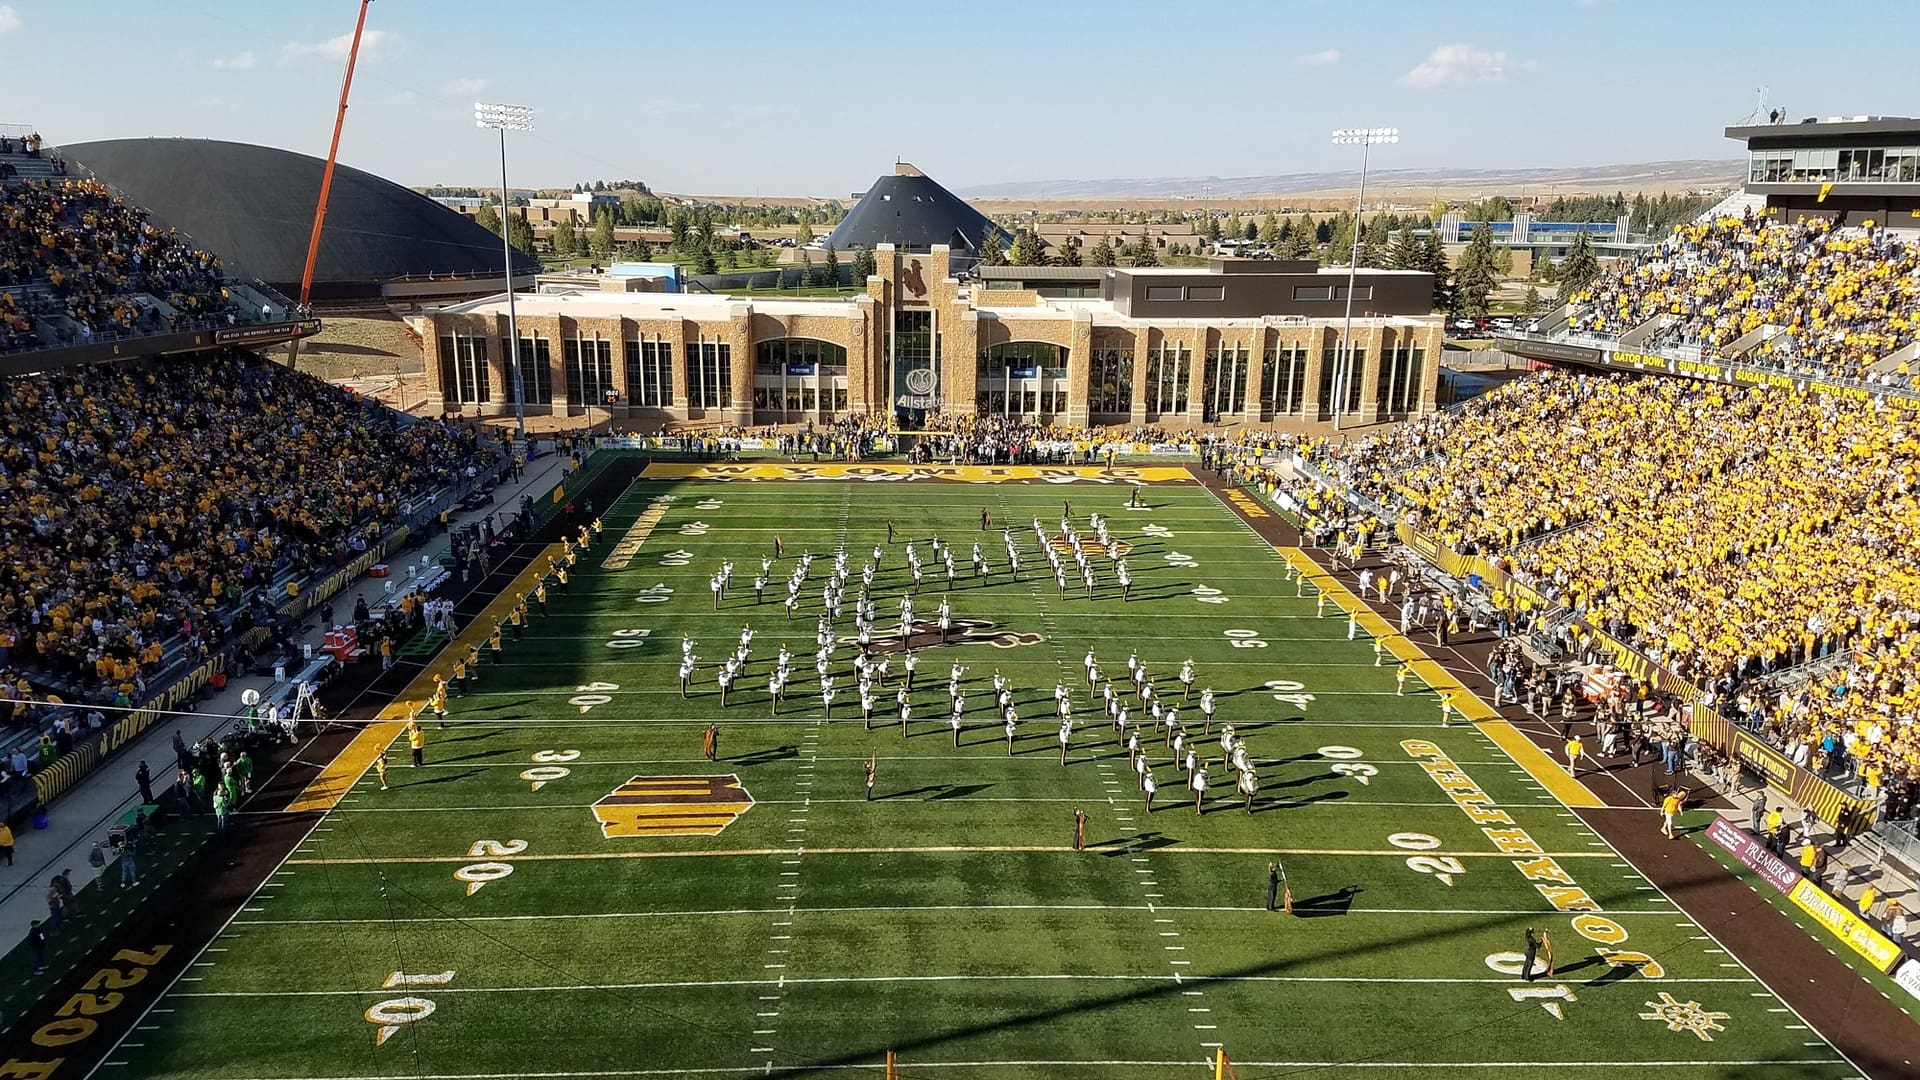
{"x":909,"y":210}
{"x":253,"y":206}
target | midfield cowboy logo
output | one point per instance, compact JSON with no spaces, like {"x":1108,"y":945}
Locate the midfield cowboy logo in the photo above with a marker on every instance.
{"x":672,"y":806}
{"x":926,"y":635}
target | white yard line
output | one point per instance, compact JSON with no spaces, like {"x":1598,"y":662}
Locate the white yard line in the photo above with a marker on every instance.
{"x":1179,"y":978}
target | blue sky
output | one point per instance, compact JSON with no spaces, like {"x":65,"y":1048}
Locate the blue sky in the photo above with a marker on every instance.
{"x":778,"y":98}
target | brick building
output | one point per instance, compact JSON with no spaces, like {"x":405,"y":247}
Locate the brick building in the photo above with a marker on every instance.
{"x":1237,"y":342}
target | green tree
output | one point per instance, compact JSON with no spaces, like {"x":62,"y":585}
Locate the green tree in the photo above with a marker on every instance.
{"x":1147,"y":252}
{"x":488,"y":218}
{"x":1102,"y":253}
{"x":1435,"y":263}
{"x":1408,"y":251}
{"x":1269,"y":229}
{"x":640,"y":250}
{"x":1068,"y":253}
{"x":703,"y":260}
{"x":1210,"y":229}
{"x":602,"y":242}
{"x":1503,"y":262}
{"x":1474,"y":278}
{"x":1027,"y":249}
{"x":832,"y":266}
{"x":1373,"y":248}
{"x":1578,"y":269}
{"x":520,"y":233}
{"x":1300,"y":238}
{"x":993,"y":249}
{"x":863,"y":267}
{"x":563,"y":239}
{"x":1533,"y":305}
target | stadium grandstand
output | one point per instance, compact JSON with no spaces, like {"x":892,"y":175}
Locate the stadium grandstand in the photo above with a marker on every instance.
{"x":168,"y":498}
{"x":254,"y":204}
{"x":83,"y":272}
{"x":1714,"y":482}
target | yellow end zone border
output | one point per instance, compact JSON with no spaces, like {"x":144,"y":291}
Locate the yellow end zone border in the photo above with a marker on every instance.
{"x":325,"y":791}
{"x":893,"y":471}
{"x":1544,"y":770}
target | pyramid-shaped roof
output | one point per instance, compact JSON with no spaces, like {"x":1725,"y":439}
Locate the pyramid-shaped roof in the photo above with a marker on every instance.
{"x":909,"y":210}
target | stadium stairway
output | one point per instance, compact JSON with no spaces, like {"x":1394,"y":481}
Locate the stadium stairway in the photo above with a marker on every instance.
{"x":85,"y":812}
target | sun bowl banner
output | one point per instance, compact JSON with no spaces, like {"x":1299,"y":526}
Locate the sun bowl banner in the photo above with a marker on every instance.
{"x":672,"y":806}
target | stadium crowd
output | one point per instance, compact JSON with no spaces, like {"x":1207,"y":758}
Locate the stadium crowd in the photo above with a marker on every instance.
{"x":1650,"y":507}
{"x":140,"y":502}
{"x":100,"y":255}
{"x":1845,"y":296}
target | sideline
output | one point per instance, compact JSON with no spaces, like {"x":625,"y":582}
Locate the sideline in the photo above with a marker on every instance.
{"x":1544,"y":770}
{"x":345,"y":770}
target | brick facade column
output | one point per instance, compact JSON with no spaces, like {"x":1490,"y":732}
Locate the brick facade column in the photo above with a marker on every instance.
{"x":1080,"y":368}
{"x":1137,"y":408}
{"x":961,"y":329}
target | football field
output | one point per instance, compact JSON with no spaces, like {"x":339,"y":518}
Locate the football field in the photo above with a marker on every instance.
{"x":568,"y":887}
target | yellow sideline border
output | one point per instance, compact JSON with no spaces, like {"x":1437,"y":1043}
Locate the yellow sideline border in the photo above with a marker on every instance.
{"x":348,"y":766}
{"x":1544,"y":770}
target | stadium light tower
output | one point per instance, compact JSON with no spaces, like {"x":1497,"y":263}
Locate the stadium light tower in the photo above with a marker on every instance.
{"x":1365,"y":138}
{"x":505,"y":118}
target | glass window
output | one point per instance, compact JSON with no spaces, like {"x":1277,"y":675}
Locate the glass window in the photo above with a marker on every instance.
{"x":1110,"y":382}
{"x":463,"y":370}
{"x":1163,"y":292}
{"x":649,"y":373}
{"x":536,"y":370}
{"x":1313,"y":292}
{"x":1169,"y":367}
{"x":1206,"y":292}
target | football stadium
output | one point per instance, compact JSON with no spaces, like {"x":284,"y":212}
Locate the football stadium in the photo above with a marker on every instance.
{"x":1165,"y":691}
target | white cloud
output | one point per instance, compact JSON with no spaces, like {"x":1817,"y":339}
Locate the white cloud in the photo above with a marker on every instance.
{"x":1319,"y":59}
{"x":9,"y":19}
{"x":462,"y":87}
{"x":1461,"y":65}
{"x":236,"y":63}
{"x":374,"y":45}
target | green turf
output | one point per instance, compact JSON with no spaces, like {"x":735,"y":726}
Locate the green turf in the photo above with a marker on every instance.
{"x":947,"y":920}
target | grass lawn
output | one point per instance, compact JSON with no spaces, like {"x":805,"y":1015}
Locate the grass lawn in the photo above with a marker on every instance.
{"x":479,"y":919}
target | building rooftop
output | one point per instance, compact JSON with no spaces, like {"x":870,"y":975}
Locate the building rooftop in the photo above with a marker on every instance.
{"x":616,"y":305}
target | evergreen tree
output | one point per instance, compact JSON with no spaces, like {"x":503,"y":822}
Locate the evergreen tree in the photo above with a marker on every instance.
{"x":833,"y":267}
{"x":863,"y":267}
{"x":1210,"y":229}
{"x":1301,"y":238}
{"x":1435,"y":263}
{"x":1474,"y":278}
{"x":1269,"y":229}
{"x":1408,"y":251}
{"x":488,"y":218}
{"x":1373,"y":248}
{"x":1068,"y":253}
{"x":640,"y":251}
{"x":1533,"y":305}
{"x":1146,"y":253}
{"x":1102,"y":253}
{"x":1579,"y":268}
{"x":993,"y":248}
{"x":703,"y":260}
{"x":1231,"y":230}
{"x":1250,"y":230}
{"x":1027,"y":249}
{"x":602,"y":241}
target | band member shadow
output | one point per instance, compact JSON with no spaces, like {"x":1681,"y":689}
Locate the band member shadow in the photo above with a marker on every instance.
{"x":1327,"y":904}
{"x":935,"y":792}
{"x":464,"y":774}
{"x":767,"y":756}
{"x":1138,"y":842}
{"x":477,"y":754}
{"x":494,"y":734}
{"x":1261,"y":806}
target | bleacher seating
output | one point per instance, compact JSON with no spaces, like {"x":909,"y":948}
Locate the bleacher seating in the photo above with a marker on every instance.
{"x":78,"y":264}
{"x":1726,"y":532}
{"x":1840,"y":298}
{"x":145,"y":504}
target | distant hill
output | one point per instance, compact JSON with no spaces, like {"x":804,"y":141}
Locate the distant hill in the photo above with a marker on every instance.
{"x":1639,"y":176}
